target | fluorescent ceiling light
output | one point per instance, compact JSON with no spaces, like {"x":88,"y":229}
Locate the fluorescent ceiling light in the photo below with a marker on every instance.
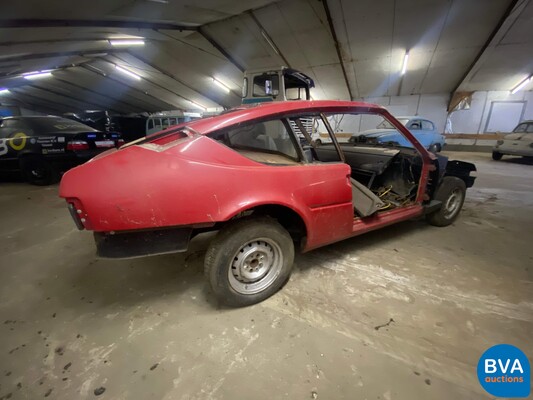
{"x":94,"y":55}
{"x":197,"y":105}
{"x":521,"y":85}
{"x":192,"y":114}
{"x":159,"y":1}
{"x":405,"y":60}
{"x":269,"y":41}
{"x":127,"y":72}
{"x":4,"y":91}
{"x":221,"y":85}
{"x":126,"y":42}
{"x":37,"y":75}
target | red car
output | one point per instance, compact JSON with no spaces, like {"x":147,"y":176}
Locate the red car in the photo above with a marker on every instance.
{"x":254,"y":175}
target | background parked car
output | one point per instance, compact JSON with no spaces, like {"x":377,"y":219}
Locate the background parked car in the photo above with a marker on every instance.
{"x":43,"y":147}
{"x":423,"y":129}
{"x":518,"y":143}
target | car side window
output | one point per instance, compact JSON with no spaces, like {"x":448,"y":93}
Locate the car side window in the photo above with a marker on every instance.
{"x":427,"y":126}
{"x":530,"y":128}
{"x":150,"y":124}
{"x":269,"y":137}
{"x":415,"y":125}
{"x":10,"y":123}
{"x":520,"y":128}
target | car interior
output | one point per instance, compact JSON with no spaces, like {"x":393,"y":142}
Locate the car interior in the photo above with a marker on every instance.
{"x":382,"y":178}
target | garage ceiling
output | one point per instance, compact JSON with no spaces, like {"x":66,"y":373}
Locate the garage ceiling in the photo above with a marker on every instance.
{"x":351,"y":49}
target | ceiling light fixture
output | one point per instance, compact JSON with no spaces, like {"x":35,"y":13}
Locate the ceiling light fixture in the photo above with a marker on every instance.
{"x":159,"y":1}
{"x":37,"y":75}
{"x":405,"y":60}
{"x":198,"y":105}
{"x":269,"y":41}
{"x":192,"y":114}
{"x":127,"y":72}
{"x":521,"y":85}
{"x":221,"y":85}
{"x":127,"y":42}
{"x":4,"y":91}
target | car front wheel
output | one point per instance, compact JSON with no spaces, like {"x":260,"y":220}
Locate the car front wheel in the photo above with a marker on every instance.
{"x":249,"y":260}
{"x":451,"y":193}
{"x":435,"y":148}
{"x":496,"y":155}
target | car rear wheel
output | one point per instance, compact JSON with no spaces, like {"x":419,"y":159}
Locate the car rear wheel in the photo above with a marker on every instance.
{"x":496,"y":155}
{"x":249,"y":260}
{"x":451,"y":193}
{"x":37,"y":171}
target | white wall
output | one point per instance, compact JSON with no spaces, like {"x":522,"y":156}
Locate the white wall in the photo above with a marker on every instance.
{"x":433,"y":107}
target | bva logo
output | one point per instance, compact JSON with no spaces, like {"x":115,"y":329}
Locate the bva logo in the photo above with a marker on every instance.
{"x":504,"y":371}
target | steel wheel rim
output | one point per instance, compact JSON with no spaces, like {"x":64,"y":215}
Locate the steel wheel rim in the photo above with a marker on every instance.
{"x":453,"y":203}
{"x":255,"y":266}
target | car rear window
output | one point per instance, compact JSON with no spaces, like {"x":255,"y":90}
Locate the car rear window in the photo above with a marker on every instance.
{"x":47,"y":125}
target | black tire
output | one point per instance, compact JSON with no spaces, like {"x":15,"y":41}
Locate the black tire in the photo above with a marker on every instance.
{"x":496,"y":155}
{"x":37,"y":171}
{"x":435,"y":148}
{"x":451,"y":192}
{"x":239,"y":250}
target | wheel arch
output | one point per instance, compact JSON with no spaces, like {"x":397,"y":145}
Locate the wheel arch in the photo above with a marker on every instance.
{"x":287,"y":216}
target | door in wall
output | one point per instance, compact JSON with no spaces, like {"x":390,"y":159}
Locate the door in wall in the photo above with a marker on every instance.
{"x":504,"y":116}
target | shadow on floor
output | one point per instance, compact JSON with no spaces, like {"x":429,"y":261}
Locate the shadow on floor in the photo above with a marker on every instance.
{"x":131,"y":282}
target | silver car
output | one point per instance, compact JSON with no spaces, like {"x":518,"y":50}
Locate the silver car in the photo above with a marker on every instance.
{"x":517,"y":143}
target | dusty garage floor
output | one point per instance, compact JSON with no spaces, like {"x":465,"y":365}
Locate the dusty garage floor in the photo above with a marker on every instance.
{"x":402,"y":313}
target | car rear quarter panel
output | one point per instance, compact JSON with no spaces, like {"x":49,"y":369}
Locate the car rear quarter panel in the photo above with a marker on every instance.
{"x":201,"y":181}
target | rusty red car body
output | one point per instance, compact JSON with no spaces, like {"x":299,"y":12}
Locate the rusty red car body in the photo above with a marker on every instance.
{"x":176,"y":180}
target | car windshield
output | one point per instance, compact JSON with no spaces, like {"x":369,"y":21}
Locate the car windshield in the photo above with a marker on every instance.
{"x":523,"y":128}
{"x":387,"y":125}
{"x":55,"y":124}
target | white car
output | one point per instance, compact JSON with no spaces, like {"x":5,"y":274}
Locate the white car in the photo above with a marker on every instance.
{"x":517,"y":143}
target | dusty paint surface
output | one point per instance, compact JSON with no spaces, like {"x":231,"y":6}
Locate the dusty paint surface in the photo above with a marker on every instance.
{"x":401,"y":313}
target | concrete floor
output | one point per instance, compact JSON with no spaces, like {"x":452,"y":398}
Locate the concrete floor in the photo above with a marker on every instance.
{"x":149,"y":328}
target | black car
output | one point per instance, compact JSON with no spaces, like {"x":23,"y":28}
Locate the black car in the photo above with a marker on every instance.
{"x":43,"y":147}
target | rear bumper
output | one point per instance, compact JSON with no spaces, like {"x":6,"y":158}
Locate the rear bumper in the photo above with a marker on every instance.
{"x":142,"y":243}
{"x":66,"y":161}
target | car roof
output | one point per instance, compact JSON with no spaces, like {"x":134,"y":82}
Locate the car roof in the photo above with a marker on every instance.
{"x":250,"y":112}
{"x":527,"y":121}
{"x":32,"y":116}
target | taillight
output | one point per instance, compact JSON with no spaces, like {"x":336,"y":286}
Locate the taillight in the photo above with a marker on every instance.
{"x":77,"y":145}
